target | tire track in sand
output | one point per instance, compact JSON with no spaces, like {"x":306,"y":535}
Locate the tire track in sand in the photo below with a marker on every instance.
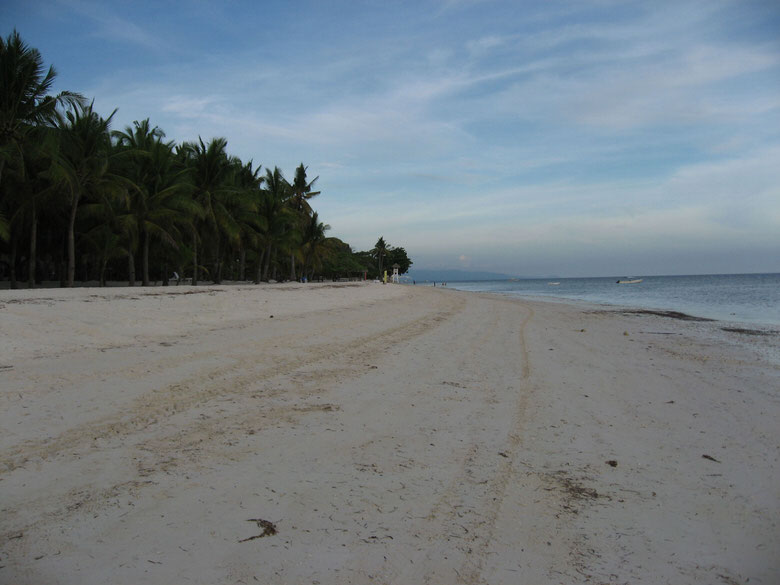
{"x":471,"y":571}
{"x":241,"y":378}
{"x":234,"y":379}
{"x":461,"y":523}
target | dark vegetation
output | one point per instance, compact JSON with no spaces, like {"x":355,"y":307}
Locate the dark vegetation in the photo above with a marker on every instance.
{"x":81,"y":201}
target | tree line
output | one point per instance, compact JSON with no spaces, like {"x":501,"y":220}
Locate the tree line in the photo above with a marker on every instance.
{"x":82,"y":201}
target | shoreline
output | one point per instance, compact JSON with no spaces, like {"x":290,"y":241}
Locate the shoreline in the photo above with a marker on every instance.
{"x":738,"y":298}
{"x":386,"y":434}
{"x":731,"y":320}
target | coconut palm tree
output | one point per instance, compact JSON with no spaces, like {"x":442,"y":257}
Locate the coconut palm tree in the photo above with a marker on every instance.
{"x":111,"y":221}
{"x":159,"y":199}
{"x":24,"y":106}
{"x":252,"y":225}
{"x":277,"y":216}
{"x":213,"y":174}
{"x":24,"y":99}
{"x":379,"y":252}
{"x":300,"y":193}
{"x":209,"y":168}
{"x":316,"y":245}
{"x":82,"y":166}
{"x":28,"y":178}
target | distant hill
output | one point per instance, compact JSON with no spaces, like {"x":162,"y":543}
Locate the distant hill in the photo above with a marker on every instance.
{"x":455,"y":275}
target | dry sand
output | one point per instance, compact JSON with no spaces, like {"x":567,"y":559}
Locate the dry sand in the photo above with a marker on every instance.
{"x":339,"y":434}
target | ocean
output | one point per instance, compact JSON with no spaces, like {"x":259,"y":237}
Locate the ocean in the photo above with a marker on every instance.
{"x":744,"y":298}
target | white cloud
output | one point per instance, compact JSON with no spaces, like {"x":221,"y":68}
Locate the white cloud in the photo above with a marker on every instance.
{"x":187,"y":106}
{"x":112,"y":27}
{"x":482,"y":45}
{"x":569,"y":131}
{"x":733,"y":202}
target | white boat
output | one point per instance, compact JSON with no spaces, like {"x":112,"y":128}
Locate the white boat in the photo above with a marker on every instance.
{"x":553,"y":283}
{"x":630,"y":281}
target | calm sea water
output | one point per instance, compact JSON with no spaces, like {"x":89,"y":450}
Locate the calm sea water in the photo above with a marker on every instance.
{"x":750,"y":298}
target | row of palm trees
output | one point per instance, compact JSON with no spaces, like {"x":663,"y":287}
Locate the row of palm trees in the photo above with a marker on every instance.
{"x":77,"y":196}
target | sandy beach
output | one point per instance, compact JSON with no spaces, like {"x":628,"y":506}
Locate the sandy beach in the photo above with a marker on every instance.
{"x":361,"y":433}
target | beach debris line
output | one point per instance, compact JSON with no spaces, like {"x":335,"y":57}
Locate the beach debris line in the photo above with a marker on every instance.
{"x":710,"y":457}
{"x":670,"y":314}
{"x":749,"y":331}
{"x":269,"y":529}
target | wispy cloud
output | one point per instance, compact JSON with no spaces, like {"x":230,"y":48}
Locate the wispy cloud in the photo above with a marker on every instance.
{"x":112,"y":27}
{"x":469,"y":128}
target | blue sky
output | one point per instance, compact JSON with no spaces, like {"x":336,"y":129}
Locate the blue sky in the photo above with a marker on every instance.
{"x":530,"y":138}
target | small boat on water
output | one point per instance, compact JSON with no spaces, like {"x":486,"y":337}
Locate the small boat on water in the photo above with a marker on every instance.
{"x":553,"y":283}
{"x":630,"y":281}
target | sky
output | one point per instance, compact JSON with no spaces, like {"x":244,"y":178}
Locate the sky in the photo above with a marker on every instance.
{"x":587,"y":138}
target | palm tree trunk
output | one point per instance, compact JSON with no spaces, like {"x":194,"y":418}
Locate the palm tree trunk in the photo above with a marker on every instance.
{"x":130,"y":268}
{"x":267,"y":263}
{"x":218,"y":262}
{"x":33,"y":244}
{"x":260,"y":262}
{"x":62,"y":268}
{"x":242,"y":264}
{"x":72,"y":243}
{"x":292,"y":266}
{"x":103,"y":264}
{"x":12,"y":275}
{"x":145,"y":259}
{"x":194,"y":256}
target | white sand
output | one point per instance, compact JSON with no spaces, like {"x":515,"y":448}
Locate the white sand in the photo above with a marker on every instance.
{"x":391,"y":434}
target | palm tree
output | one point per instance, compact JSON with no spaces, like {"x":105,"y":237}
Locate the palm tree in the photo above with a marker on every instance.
{"x":316,"y":245}
{"x":300,"y":193}
{"x":29,"y":179}
{"x":252,"y":225}
{"x":160,"y":198}
{"x":214,"y":178}
{"x":24,"y":106}
{"x":208,"y":167}
{"x":82,"y":166}
{"x":111,"y":222}
{"x":277,"y":217}
{"x":24,"y":99}
{"x":379,"y":252}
